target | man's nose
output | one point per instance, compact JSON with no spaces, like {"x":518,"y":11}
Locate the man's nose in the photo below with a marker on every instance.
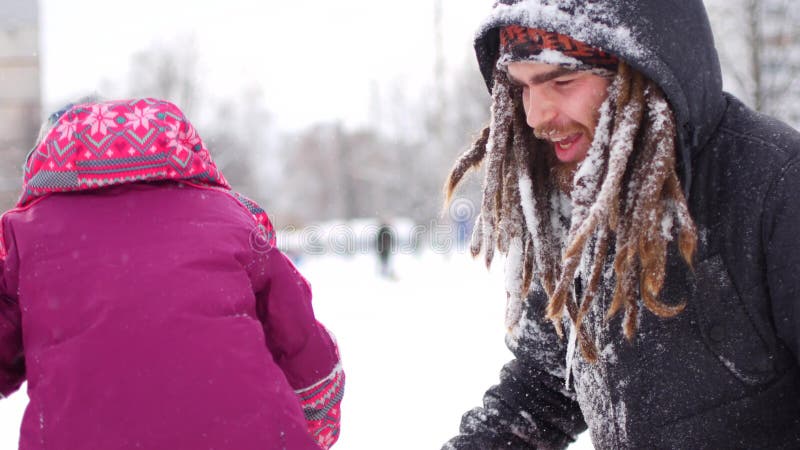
{"x":541,"y":109}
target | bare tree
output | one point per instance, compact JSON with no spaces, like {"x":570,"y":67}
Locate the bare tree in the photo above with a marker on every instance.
{"x":168,"y":71}
{"x":759,"y":46}
{"x":396,"y":166}
{"x":238,"y":137}
{"x":236,"y":130}
{"x":310,"y":186}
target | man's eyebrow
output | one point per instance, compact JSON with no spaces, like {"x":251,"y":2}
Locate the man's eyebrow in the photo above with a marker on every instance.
{"x":542,"y":77}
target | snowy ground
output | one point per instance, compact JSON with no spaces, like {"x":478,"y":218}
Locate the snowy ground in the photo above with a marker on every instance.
{"x":418,"y":351}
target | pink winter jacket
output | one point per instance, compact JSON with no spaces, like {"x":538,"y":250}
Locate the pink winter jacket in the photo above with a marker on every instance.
{"x":155,"y":315}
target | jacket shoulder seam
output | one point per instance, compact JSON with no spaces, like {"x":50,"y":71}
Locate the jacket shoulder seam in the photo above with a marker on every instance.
{"x":789,"y":165}
{"x":770,"y":193}
{"x":753,"y":139}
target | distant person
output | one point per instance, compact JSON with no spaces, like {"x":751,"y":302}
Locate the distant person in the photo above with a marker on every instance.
{"x":146,"y":303}
{"x":463,"y":226}
{"x":385,"y":244}
{"x":649,"y":222}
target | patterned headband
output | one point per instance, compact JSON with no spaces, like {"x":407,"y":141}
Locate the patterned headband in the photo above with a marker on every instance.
{"x":519,"y":43}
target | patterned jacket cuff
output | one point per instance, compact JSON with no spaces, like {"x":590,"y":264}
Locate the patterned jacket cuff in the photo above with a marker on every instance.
{"x":321,"y":406}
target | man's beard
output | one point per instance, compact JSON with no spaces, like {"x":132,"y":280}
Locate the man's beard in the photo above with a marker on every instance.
{"x":561,"y":173}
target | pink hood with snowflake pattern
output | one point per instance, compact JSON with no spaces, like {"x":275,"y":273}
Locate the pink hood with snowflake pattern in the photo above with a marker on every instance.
{"x":101,"y":144}
{"x":92,"y":145}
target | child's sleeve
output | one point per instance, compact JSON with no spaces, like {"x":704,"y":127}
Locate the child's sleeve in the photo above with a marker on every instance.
{"x":301,"y":346}
{"x":12,"y":361}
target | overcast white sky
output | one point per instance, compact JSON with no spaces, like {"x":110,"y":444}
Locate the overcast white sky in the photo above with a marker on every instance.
{"x":314,"y":59}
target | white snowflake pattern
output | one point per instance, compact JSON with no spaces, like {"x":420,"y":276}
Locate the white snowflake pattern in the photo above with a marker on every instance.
{"x":100,"y":118}
{"x":67,"y":128}
{"x":182,"y":142}
{"x":326,"y":440}
{"x":141,"y":118}
{"x":192,"y":138}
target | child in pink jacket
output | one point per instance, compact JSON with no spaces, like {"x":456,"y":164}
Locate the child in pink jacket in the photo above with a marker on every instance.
{"x":146,"y":303}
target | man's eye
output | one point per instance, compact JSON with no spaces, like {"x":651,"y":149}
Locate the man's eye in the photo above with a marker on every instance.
{"x":563,"y":82}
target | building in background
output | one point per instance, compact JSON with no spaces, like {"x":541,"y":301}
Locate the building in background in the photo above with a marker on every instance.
{"x":20,"y":91}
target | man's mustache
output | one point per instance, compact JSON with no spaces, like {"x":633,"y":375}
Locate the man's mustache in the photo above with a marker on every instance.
{"x":548,"y":132}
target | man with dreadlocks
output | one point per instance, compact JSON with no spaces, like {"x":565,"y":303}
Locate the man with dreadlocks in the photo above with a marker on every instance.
{"x":648,"y":220}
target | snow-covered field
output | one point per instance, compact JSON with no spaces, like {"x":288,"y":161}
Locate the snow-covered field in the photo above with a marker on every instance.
{"x":418,"y":351}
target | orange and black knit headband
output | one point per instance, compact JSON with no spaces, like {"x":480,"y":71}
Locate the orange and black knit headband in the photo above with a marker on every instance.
{"x":519,"y":43}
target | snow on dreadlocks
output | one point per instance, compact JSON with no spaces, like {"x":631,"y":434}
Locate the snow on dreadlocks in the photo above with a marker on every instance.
{"x":624,"y":197}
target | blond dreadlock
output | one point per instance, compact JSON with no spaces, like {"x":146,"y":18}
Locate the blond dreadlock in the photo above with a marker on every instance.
{"x":623,"y":199}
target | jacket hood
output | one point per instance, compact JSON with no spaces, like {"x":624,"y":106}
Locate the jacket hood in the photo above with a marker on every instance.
{"x":97,"y":144}
{"x":669,"y":41}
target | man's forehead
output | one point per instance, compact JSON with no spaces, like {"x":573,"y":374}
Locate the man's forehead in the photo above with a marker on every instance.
{"x":528,"y":72}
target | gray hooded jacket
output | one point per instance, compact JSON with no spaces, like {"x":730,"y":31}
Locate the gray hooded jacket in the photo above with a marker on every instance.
{"x":723,"y":373}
